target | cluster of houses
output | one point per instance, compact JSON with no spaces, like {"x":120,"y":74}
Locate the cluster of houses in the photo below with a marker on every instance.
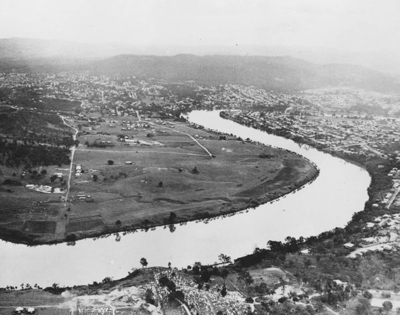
{"x":132,"y":141}
{"x":82,"y":197}
{"x":24,"y":310}
{"x":370,"y":137}
{"x":128,"y":125}
{"x":390,"y":196}
{"x":45,"y":189}
{"x":386,"y":236}
{"x":347,"y":100}
{"x":240,"y":96}
{"x":78,"y":170}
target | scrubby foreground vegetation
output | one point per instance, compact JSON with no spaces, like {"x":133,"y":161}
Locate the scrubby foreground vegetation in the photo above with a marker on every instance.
{"x":285,"y":282}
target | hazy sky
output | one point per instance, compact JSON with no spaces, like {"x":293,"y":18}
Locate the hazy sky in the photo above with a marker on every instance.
{"x":372,"y":25}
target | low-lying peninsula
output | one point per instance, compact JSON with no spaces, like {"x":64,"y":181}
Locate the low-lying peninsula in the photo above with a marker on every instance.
{"x":128,"y":175}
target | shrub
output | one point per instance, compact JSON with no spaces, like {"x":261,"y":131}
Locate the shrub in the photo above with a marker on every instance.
{"x":12,"y":182}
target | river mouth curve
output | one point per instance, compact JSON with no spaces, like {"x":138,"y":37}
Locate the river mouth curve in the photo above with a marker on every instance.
{"x":329,"y":202}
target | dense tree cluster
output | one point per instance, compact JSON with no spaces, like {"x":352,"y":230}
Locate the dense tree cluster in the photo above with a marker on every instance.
{"x":31,"y":97}
{"x":35,"y":127}
{"x":15,"y":154}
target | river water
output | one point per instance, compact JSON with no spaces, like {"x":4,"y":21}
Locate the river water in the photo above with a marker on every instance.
{"x":328,"y":202}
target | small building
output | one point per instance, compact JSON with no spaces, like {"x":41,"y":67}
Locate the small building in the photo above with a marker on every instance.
{"x":305,"y":251}
{"x":128,"y":162}
{"x":348,"y":245}
{"x":339,"y":282}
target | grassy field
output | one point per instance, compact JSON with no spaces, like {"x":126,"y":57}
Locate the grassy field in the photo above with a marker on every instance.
{"x":168,"y":171}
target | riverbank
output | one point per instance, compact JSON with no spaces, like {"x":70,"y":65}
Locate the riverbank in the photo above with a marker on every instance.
{"x":377,"y":167}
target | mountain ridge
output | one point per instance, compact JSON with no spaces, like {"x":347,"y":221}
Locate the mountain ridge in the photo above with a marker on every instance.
{"x":280,"y":72}
{"x":269,"y":72}
{"x":384,"y":61}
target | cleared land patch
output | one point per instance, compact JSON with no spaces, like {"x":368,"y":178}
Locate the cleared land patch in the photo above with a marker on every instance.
{"x":40,"y":226}
{"x":84,"y":224}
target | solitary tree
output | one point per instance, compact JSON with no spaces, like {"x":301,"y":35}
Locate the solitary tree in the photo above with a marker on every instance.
{"x":55,"y":286}
{"x":224,"y":258}
{"x":172,"y":228}
{"x":223,"y":291}
{"x":106,"y":280}
{"x":367,"y":295}
{"x":195,"y":171}
{"x":172,"y":216}
{"x":143,"y":262}
{"x":95,"y":178}
{"x":364,"y":307}
{"x":160,"y":184}
{"x":387,"y":306}
{"x":110,"y":162}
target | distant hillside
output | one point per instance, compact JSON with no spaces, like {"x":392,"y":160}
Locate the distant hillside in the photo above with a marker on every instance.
{"x":278,"y":73}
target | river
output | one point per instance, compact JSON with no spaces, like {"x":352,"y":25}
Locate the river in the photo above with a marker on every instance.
{"x":328,"y":202}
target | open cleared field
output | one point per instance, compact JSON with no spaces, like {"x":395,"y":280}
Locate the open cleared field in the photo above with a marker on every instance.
{"x":41,"y":226}
{"x":136,"y":178}
{"x":84,"y":224}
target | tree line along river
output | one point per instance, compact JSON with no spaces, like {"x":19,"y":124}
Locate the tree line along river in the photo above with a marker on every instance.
{"x":326,"y":203}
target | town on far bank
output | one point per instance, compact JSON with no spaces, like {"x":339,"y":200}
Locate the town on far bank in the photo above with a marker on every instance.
{"x":79,"y":150}
{"x":332,"y":123}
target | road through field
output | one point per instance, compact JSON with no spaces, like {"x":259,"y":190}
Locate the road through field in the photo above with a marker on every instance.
{"x":141,"y":151}
{"x":72,"y":156}
{"x":191,"y":137}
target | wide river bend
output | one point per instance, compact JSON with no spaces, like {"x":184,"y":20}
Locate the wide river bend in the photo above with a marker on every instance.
{"x":328,"y":202}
